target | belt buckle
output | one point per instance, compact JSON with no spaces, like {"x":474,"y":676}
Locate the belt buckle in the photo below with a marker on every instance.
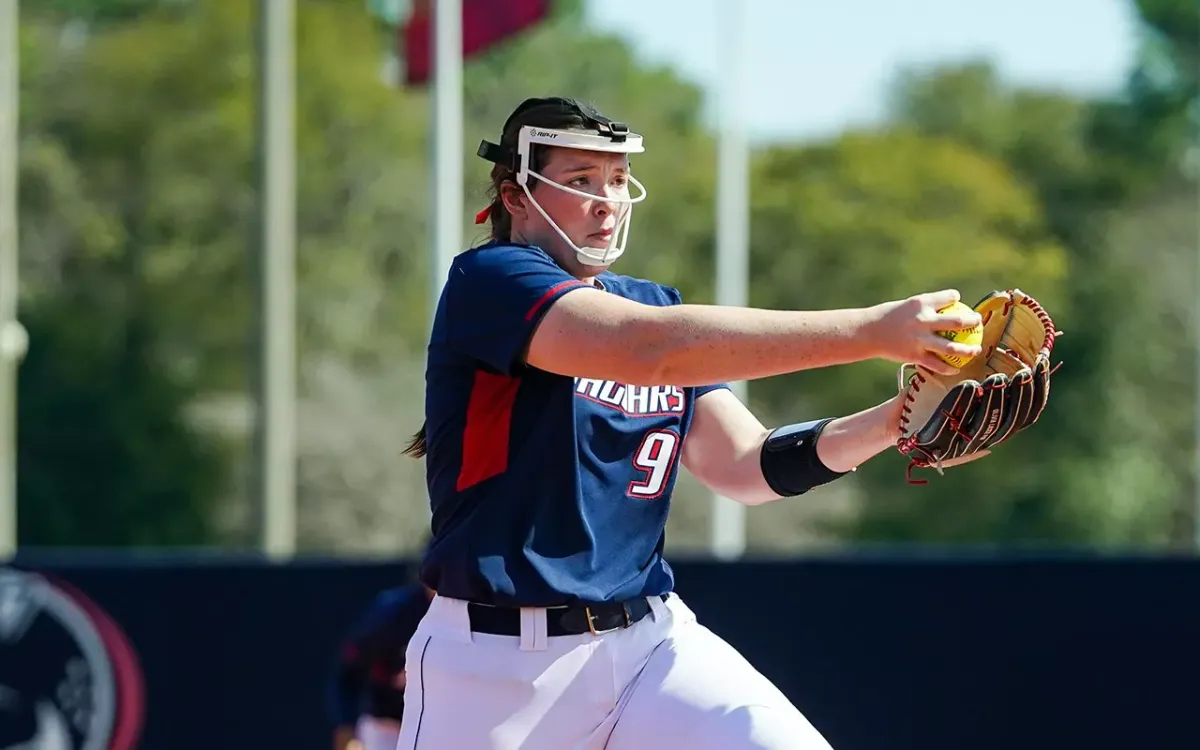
{"x":587,"y":613}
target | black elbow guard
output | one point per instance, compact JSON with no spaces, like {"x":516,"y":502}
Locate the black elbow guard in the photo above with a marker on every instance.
{"x":789,"y":459}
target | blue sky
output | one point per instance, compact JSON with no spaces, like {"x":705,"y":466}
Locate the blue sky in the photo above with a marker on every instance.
{"x":815,"y":67}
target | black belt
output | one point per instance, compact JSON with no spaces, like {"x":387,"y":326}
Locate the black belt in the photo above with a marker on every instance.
{"x":572,"y":620}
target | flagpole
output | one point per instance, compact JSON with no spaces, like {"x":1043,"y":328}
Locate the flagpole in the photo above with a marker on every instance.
{"x":728,"y":531}
{"x":447,"y":137}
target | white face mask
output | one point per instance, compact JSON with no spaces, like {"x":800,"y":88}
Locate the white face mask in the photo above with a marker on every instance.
{"x":617,"y":143}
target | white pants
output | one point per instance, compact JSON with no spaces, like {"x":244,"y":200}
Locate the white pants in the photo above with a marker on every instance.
{"x":665,"y":682}
{"x":377,"y":734}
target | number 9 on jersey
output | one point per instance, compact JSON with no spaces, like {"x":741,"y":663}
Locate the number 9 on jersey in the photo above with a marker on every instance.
{"x":655,"y":458}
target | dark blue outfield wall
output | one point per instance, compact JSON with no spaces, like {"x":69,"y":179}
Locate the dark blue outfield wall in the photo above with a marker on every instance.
{"x":882,"y":654}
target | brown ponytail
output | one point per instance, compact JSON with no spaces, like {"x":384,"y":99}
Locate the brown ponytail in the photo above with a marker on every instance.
{"x":500,"y":218}
{"x":417,"y":447}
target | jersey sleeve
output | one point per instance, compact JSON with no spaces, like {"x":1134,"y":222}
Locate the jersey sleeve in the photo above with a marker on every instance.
{"x":676,"y":298}
{"x":703,"y":389}
{"x":496,"y":297}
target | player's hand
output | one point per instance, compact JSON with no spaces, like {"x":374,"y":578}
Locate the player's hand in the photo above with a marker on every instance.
{"x":344,"y":739}
{"x":906,"y":331}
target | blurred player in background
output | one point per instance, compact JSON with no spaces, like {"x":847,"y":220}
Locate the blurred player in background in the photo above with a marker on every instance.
{"x":368,"y":687}
{"x":561,"y":400}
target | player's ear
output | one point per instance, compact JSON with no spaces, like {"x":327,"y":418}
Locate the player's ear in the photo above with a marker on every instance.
{"x":514,"y":199}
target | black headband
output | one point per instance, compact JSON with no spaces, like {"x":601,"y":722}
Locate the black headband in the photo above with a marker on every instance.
{"x":507,"y":156}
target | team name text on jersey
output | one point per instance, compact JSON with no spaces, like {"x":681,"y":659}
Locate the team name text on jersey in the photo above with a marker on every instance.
{"x":632,"y":400}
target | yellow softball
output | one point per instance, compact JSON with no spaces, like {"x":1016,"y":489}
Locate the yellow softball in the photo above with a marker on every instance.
{"x":970,"y":336}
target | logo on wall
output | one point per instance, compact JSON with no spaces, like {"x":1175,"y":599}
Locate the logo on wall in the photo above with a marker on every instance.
{"x":69,"y":680}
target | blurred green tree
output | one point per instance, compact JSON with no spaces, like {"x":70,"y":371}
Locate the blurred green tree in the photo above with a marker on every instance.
{"x":138,"y":194}
{"x":163,"y":157}
{"x":1151,"y":129}
{"x":873,"y":216}
{"x":1102,"y":168}
{"x":107,"y":457}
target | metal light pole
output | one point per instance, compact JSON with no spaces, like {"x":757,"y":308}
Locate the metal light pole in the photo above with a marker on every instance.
{"x":447,"y":136}
{"x":728,"y":537}
{"x":275,"y":426}
{"x":1196,"y":416}
{"x":13,"y":339}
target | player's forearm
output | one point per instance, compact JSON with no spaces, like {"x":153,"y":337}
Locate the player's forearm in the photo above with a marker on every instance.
{"x":848,"y":442}
{"x":701,"y":344}
{"x":845,"y":443}
{"x":737,"y":472}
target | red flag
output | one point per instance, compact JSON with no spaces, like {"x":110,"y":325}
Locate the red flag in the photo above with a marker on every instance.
{"x":485,"y":23}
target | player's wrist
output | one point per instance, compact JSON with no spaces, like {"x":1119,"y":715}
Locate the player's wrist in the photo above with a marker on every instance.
{"x":891,"y":411}
{"x":847,"y":442}
{"x":878,"y":426}
{"x":873,"y":329}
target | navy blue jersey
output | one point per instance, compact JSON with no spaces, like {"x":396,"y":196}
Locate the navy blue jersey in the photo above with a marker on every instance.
{"x":544,"y":489}
{"x":371,"y":657}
